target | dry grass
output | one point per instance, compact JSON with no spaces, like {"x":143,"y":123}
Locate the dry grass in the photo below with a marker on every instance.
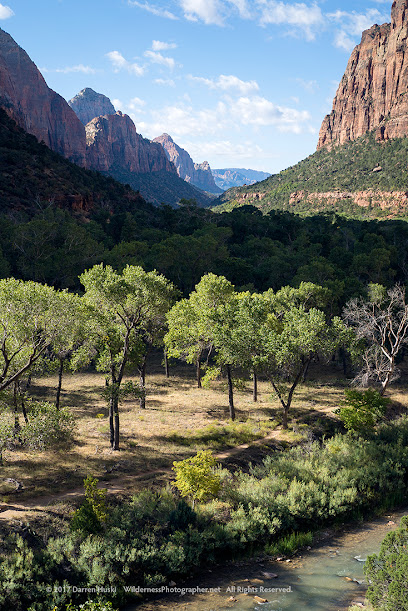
{"x":173,"y":425}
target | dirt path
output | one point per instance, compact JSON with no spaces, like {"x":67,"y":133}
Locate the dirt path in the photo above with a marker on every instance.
{"x":120,"y":485}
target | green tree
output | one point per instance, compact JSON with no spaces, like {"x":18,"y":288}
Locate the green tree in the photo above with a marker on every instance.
{"x":31,"y":320}
{"x":123,"y":308}
{"x":192,"y":322}
{"x":295,"y":332}
{"x":195,"y":477}
{"x":388,"y":571}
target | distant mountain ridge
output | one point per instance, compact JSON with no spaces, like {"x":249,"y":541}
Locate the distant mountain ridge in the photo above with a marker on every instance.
{"x":237,"y":177}
{"x":198,"y":174}
{"x":27,"y":99}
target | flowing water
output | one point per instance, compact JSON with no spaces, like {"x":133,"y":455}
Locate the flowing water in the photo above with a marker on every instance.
{"x":326,"y":578}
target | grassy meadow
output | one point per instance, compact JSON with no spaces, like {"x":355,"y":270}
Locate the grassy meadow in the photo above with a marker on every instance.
{"x":179,"y":420}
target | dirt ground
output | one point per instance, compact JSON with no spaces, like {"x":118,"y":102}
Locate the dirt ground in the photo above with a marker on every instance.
{"x":178,"y":420}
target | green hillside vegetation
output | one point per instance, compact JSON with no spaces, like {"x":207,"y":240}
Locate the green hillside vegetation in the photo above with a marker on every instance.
{"x":162,"y":187}
{"x":345,"y":168}
{"x":31,"y":174}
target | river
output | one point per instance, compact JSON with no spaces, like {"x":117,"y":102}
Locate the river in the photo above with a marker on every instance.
{"x":327,"y":577}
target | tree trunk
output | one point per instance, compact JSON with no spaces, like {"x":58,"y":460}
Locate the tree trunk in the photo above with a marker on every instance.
{"x":255,"y":388}
{"x":111,"y":424}
{"x":24,"y":409}
{"x":285,"y":417}
{"x":166,"y":364}
{"x":142,"y":384}
{"x":198,"y":373}
{"x":59,"y":387}
{"x":116,"y":423}
{"x":230,"y":394}
{"x":15,"y":409}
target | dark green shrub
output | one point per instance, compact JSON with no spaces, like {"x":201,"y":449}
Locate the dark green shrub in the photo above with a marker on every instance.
{"x":181,"y":517}
{"x":388,"y":571}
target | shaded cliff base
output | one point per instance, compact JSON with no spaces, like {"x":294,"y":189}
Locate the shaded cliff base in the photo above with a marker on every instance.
{"x":362,"y":179}
{"x":161,"y":187}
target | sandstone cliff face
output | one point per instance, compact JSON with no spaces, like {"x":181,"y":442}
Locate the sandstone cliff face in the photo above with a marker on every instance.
{"x":112,"y":142}
{"x":373,"y":93}
{"x":40,"y":111}
{"x":88,"y":104}
{"x":199,"y":175}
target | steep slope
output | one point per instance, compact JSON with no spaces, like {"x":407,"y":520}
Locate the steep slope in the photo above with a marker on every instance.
{"x":88,"y":104}
{"x":199,"y":175}
{"x":116,"y":149}
{"x":40,"y":111}
{"x":373,"y":93}
{"x":31,"y":176}
{"x":364,"y":178}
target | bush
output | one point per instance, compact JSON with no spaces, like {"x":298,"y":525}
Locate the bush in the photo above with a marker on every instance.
{"x":195,"y":476}
{"x":48,"y":427}
{"x":363,"y":409}
{"x":91,"y":516}
{"x":388,"y":571}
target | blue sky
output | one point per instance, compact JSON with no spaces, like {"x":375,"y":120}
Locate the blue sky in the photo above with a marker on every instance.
{"x":239,"y":83}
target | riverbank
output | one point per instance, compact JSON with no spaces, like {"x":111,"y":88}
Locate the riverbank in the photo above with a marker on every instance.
{"x":327,"y":576}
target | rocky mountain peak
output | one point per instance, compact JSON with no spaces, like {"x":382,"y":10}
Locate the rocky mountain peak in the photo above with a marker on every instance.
{"x":198,"y":174}
{"x":88,"y":104}
{"x":373,"y":93}
{"x":35,"y":107}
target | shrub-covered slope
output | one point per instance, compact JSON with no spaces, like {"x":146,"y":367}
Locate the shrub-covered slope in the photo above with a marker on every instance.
{"x":364,"y":178}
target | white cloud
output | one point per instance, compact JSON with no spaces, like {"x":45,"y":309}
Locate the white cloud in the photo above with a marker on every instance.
{"x":166,"y":82}
{"x":209,"y":11}
{"x":352,"y":24}
{"x":78,"y":68}
{"x":158,"y":58}
{"x":154,"y":10}
{"x":184,"y":120}
{"x":307,"y":19}
{"x":223,"y":148}
{"x":343,"y":41}
{"x":259,"y":111}
{"x":309,"y":86}
{"x":158,"y":45}
{"x":227,"y":83}
{"x":120,"y":63}
{"x":242,"y":7}
{"x":136,"y":103}
{"x":118,"y":104}
{"x":5,"y":12}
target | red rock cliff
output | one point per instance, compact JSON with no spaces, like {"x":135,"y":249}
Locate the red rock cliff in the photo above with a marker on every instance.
{"x":28,"y":100}
{"x":373,"y":93}
{"x":112,"y":142}
{"x":197,"y":174}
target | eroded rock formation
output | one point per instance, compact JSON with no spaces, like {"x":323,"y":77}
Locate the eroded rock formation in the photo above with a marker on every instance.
{"x":373,"y":93}
{"x":88,"y":104}
{"x":35,"y":107}
{"x":198,"y":174}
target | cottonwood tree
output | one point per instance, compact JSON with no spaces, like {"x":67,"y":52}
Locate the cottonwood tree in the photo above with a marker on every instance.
{"x":31,"y":319}
{"x":191,"y":321}
{"x":294,"y":334}
{"x":380,"y":324}
{"x":123,"y":308}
